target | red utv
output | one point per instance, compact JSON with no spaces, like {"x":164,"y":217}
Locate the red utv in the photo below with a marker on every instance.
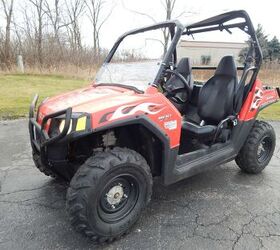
{"x":144,"y":116}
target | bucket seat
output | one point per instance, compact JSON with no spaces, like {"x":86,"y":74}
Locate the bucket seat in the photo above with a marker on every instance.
{"x":217,"y":101}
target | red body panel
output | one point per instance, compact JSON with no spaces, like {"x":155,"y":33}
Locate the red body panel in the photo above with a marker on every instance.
{"x":257,"y":98}
{"x":110,"y":104}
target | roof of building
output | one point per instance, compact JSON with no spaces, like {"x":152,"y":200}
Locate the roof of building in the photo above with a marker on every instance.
{"x":211,"y":44}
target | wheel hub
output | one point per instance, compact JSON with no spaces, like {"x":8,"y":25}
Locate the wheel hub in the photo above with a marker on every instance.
{"x":115,"y":195}
{"x":264,"y":149}
{"x":261,"y":148}
{"x":118,"y":198}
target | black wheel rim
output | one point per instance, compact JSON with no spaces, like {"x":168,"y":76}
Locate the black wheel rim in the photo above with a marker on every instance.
{"x":264,"y":149}
{"x":118,"y":198}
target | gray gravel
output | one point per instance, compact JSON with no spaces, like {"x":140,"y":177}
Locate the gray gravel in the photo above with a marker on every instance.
{"x":219,"y":209}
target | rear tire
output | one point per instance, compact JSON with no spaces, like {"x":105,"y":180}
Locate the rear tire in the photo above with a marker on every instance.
{"x":258,"y":148}
{"x":108,"y":192}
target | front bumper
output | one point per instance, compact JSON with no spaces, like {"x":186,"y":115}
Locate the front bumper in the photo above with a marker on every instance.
{"x":39,"y":138}
{"x":53,"y":150}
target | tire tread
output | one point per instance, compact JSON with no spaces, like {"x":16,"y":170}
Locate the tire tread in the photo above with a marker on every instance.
{"x":246,"y":158}
{"x":45,"y":170}
{"x":97,"y":165}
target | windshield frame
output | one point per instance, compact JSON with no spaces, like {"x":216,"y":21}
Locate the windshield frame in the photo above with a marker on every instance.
{"x":209,"y":24}
{"x":176,"y":30}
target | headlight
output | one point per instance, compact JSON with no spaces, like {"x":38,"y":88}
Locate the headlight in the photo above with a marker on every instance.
{"x":76,"y":124}
{"x":79,"y":122}
{"x":62,"y":125}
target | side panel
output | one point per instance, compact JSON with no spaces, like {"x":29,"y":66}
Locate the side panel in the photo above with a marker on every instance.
{"x":195,"y":162}
{"x":258,"y":98}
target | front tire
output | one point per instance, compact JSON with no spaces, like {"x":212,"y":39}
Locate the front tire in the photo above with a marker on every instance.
{"x":258,"y":148}
{"x":45,"y":170}
{"x":108,"y":192}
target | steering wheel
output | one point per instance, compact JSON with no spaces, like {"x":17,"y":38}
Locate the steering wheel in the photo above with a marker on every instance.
{"x":188,"y":86}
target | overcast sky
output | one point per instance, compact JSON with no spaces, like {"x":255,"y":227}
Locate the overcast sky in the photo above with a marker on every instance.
{"x":122,"y":19}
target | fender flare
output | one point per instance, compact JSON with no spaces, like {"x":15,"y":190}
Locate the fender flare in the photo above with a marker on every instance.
{"x":168,"y":155}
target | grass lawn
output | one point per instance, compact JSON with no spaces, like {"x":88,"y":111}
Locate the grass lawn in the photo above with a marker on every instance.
{"x":18,"y":90}
{"x":272,"y":112}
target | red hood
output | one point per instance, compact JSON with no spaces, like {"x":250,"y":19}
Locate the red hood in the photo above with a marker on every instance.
{"x":91,"y":99}
{"x":108,"y":104}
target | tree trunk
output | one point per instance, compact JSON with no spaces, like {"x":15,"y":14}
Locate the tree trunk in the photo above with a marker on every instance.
{"x":40,"y":41}
{"x":8,"y":10}
{"x":7,"y":43}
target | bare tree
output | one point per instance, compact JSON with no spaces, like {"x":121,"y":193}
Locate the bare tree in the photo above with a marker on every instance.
{"x":8,"y":11}
{"x":97,"y":18}
{"x":75,"y":9}
{"x":47,"y":33}
{"x":55,"y":15}
{"x":38,"y":5}
{"x":169,"y":7}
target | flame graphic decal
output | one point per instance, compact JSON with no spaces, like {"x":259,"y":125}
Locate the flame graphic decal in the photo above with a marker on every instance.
{"x":257,"y":99}
{"x":143,"y":107}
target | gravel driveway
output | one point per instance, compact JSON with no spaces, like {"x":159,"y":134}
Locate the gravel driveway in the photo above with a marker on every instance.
{"x":219,"y":209}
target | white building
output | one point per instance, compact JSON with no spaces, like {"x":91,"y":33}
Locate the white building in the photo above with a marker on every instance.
{"x":208,"y":53}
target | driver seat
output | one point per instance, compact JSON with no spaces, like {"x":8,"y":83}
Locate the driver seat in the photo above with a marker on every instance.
{"x":215,"y":102}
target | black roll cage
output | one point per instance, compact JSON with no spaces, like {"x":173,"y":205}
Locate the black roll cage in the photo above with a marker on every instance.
{"x":219,"y":23}
{"x":214,"y":23}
